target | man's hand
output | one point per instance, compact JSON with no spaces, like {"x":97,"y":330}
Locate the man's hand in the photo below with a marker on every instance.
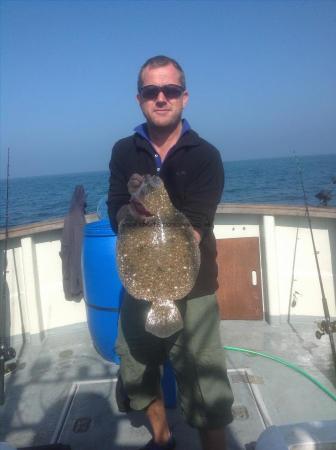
{"x":134,"y":183}
{"x":197,"y":235}
{"x":122,"y":213}
{"x":133,"y":207}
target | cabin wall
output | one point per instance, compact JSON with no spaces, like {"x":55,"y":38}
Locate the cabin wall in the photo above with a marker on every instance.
{"x":299,"y":287}
{"x":290,"y":282}
{"x":289,"y":276}
{"x":34,"y":279}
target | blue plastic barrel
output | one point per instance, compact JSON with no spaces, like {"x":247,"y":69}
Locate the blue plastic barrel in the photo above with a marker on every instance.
{"x":102,"y":287}
{"x":168,"y":385}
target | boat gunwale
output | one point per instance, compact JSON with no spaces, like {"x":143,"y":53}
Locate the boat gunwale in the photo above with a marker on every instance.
{"x":223,"y":208}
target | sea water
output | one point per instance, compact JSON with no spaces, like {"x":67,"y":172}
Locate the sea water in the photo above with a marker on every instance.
{"x":268,"y":181}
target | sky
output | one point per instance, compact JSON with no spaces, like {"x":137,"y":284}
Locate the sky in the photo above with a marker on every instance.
{"x":261,"y":76}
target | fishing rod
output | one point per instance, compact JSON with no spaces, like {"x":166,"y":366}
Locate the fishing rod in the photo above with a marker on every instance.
{"x":6,"y":352}
{"x":326,"y":326}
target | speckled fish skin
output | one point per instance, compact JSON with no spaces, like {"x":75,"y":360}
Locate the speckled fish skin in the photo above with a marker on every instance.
{"x":158,"y":260}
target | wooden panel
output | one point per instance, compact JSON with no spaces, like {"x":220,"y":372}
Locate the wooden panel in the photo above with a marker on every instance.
{"x":239,"y":295}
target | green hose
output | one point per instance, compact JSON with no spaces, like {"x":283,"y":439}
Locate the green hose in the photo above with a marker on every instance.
{"x":285,"y":363}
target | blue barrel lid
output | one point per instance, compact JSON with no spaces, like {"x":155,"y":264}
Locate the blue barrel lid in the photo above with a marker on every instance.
{"x":99,"y":228}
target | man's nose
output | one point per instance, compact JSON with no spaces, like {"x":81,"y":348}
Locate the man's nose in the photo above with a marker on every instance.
{"x":161,"y":98}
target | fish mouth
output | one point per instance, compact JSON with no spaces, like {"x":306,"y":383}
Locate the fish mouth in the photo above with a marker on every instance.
{"x":139,"y":208}
{"x":150,"y":184}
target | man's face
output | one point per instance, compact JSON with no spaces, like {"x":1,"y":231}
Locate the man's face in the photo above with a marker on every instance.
{"x":162,"y":112}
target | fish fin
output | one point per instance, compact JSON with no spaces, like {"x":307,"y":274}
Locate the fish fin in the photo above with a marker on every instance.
{"x":163,"y":319}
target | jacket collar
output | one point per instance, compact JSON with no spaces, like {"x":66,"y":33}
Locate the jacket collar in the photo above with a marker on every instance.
{"x":188,"y":138}
{"x":143,"y":129}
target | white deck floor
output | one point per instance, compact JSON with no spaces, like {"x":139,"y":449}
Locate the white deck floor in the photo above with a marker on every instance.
{"x":63,"y":391}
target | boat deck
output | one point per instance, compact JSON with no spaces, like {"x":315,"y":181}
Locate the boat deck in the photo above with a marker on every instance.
{"x":63,"y":391}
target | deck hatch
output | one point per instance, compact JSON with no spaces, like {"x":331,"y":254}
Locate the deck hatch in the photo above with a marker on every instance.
{"x":90,"y":415}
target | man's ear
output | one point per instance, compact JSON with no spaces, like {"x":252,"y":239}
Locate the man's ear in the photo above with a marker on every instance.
{"x":185,"y":98}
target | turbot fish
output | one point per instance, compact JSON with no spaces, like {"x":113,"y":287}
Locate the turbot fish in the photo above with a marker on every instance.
{"x":158,"y":258}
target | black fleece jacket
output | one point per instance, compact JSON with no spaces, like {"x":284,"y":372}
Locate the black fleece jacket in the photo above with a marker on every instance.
{"x":193,"y":175}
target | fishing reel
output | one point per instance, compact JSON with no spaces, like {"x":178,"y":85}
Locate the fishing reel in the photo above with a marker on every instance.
{"x":325,"y":327}
{"x":7,"y":353}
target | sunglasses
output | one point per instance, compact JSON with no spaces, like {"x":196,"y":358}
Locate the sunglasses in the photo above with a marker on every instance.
{"x":170,"y":91}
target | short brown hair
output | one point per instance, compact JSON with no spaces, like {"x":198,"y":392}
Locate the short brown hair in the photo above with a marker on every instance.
{"x":160,"y":61}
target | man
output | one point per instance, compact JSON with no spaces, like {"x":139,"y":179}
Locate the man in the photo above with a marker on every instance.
{"x":192,"y":172}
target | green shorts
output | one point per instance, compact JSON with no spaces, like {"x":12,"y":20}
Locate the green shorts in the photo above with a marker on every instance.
{"x":196,"y":354}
